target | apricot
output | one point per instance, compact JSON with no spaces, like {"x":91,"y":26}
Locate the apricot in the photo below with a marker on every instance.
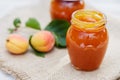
{"x":16,"y":44}
{"x":42,"y":41}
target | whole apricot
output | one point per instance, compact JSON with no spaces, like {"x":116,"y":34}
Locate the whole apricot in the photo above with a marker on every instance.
{"x":16,"y":44}
{"x":42,"y":41}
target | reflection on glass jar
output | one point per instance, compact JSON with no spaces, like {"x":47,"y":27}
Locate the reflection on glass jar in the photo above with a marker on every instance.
{"x":87,"y":39}
{"x":63,"y":9}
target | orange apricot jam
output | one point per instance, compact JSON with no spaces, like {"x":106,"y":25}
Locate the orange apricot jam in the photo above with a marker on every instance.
{"x":63,"y":9}
{"x":87,"y":39}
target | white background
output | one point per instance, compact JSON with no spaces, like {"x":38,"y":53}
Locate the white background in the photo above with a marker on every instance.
{"x":111,"y":7}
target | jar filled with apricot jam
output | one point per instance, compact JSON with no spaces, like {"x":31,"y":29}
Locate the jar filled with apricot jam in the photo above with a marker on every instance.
{"x":63,"y":9}
{"x":87,"y":39}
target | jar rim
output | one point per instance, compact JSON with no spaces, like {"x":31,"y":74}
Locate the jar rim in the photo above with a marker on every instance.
{"x":88,"y":25}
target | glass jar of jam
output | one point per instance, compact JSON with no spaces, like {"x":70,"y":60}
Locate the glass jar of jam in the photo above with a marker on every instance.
{"x":87,"y":39}
{"x":63,"y":9}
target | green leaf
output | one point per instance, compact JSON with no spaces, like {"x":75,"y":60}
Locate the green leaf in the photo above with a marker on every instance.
{"x":17,"y":22}
{"x":11,"y":30}
{"x":59,"y":29}
{"x":33,"y":23}
{"x":37,"y":53}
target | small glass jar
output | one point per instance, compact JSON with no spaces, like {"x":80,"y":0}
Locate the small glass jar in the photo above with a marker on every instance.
{"x":63,"y":9}
{"x":87,"y":39}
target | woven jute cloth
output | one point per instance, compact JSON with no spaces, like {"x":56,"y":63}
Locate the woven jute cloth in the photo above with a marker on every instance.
{"x":56,"y":65}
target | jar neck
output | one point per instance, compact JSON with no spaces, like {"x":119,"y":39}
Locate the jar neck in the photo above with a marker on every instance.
{"x":88,"y":25}
{"x":68,"y":0}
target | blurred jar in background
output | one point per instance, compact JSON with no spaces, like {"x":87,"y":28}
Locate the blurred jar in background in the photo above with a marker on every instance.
{"x":63,"y":9}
